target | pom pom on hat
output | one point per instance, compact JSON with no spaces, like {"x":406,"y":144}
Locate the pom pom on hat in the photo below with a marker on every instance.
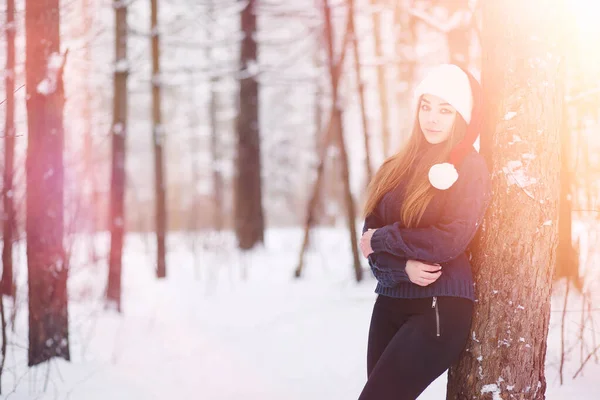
{"x":442,"y":176}
{"x":463,"y":92}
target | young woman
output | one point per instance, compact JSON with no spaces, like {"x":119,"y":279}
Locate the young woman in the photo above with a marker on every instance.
{"x":424,"y":206}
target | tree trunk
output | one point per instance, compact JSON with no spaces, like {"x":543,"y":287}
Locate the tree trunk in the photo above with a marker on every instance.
{"x":522,"y":76}
{"x":567,"y":262}
{"x":361,"y":91}
{"x":382,"y":85}
{"x":46,"y":261}
{"x":404,"y":26}
{"x":119,"y":134}
{"x":335,"y":71}
{"x":215,"y":147}
{"x":249,"y":220}
{"x":158,"y":132}
{"x":459,"y":37}
{"x":6,"y":285}
{"x":338,"y":130}
{"x":90,"y":192}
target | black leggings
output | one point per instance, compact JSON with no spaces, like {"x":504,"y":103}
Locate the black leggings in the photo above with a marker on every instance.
{"x":405,"y":353}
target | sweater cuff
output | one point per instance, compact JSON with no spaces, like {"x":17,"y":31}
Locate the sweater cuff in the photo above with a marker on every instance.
{"x":378,"y":240}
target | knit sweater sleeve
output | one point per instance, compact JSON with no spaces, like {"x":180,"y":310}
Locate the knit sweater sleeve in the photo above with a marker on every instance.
{"x":465,"y":206}
{"x":392,"y":273}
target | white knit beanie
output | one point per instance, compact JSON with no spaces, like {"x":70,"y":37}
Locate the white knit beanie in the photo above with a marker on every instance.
{"x":452,"y":84}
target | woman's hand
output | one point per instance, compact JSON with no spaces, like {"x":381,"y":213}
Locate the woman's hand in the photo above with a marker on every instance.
{"x":422,"y":274}
{"x":365,"y":242}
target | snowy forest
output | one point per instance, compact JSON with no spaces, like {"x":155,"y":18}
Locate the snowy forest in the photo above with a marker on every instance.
{"x":183,"y":184}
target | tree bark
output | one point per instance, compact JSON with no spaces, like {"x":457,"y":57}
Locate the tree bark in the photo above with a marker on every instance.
{"x":522,"y":76}
{"x":158,"y":133}
{"x":119,"y":134}
{"x":7,"y":285}
{"x":249,"y":220}
{"x":46,"y":260}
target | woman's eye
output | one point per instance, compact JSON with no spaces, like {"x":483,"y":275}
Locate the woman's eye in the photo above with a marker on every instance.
{"x":425,"y":107}
{"x":445,"y":111}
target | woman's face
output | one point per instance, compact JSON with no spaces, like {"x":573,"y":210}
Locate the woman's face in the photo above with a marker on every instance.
{"x":436,"y":118}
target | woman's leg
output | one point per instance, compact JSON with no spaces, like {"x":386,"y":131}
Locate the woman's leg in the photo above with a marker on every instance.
{"x":416,"y":356}
{"x":385,"y":322}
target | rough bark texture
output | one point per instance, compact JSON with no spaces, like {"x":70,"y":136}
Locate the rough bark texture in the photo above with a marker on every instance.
{"x":515,"y":254}
{"x":119,"y":134}
{"x":6,"y":285}
{"x":46,"y":261}
{"x":249,"y":220}
{"x":159,"y":136}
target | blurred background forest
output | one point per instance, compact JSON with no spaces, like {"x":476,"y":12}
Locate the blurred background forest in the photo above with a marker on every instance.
{"x":194,"y":131}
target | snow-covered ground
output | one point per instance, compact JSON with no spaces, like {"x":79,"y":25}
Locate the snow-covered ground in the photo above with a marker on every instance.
{"x":231,"y":326}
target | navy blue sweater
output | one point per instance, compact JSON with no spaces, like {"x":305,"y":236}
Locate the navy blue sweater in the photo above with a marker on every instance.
{"x":448,"y":225}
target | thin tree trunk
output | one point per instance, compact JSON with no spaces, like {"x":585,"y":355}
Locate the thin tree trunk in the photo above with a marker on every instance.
{"x":338,"y":127}
{"x":7,"y":285}
{"x":319,"y":212}
{"x":158,"y":133}
{"x":338,"y":133}
{"x":459,"y":37}
{"x":47,"y":266}
{"x":567,"y":264}
{"x":195,"y":172}
{"x":335,"y":71}
{"x":516,"y":251}
{"x":249,"y":220}
{"x":361,"y":90}
{"x":404,"y":24}
{"x":217,"y":173}
{"x":383,"y":95}
{"x":90,"y":175}
{"x":119,"y":134}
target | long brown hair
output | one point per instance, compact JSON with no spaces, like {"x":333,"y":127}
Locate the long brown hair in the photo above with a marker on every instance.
{"x":423,"y":155}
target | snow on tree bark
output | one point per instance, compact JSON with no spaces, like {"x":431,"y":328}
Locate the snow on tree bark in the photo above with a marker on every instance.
{"x":46,"y":259}
{"x":513,"y":260}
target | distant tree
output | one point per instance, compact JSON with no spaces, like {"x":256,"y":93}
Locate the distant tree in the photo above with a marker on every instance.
{"x":158,"y":133}
{"x":7,"y":285}
{"x":119,"y":134}
{"x":47,"y":266}
{"x":249,"y":219}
